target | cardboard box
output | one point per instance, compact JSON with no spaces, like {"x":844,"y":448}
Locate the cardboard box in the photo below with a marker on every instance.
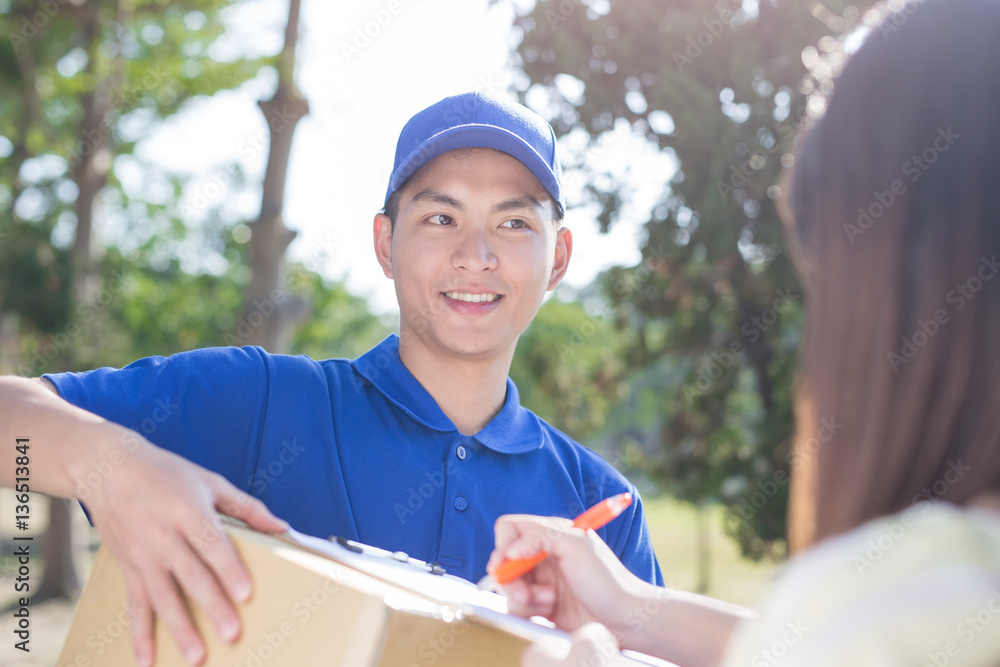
{"x":306,"y":610}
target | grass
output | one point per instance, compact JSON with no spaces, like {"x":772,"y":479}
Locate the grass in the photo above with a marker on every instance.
{"x":674,"y":531}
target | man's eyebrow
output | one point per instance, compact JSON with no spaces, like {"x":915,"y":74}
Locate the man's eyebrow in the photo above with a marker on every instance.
{"x":517,"y":204}
{"x":437,"y":198}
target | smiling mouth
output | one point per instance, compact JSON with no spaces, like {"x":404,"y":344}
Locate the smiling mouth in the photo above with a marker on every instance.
{"x":473,"y":298}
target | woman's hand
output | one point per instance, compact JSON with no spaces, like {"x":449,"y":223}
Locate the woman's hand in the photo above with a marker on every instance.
{"x":593,"y":644}
{"x":581,"y":581}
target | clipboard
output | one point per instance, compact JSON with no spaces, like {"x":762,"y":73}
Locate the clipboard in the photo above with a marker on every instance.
{"x":323,"y":602}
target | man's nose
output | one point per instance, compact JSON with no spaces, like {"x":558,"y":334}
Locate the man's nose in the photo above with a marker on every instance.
{"x":475,"y":251}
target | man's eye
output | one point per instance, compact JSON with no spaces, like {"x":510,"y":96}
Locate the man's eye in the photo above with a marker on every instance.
{"x":515,"y":223}
{"x":440,"y":219}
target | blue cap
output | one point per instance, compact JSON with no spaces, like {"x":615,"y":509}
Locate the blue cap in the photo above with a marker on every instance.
{"x":475,"y":120}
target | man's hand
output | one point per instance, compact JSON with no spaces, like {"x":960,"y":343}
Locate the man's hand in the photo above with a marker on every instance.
{"x":156,"y":512}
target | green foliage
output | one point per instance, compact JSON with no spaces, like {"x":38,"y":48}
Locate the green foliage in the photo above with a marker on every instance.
{"x":712,"y":314}
{"x":339,"y":324}
{"x":28,"y":258}
{"x":568,"y":368}
{"x":78,"y":81}
{"x":137,"y":311}
{"x":80,"y":78}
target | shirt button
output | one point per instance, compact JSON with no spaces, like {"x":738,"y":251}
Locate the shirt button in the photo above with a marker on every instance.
{"x":460,"y":503}
{"x":461,"y":453}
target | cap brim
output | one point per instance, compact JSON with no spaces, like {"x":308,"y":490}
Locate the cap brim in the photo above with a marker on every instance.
{"x":478,"y":136}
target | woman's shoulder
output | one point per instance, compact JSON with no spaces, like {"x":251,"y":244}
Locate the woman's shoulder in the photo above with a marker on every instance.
{"x":921,"y":586}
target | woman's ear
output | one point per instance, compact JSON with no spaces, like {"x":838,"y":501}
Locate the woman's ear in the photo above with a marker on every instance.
{"x":383,"y":243}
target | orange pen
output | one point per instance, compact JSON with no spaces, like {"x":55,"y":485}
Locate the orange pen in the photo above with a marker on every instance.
{"x":596,"y":517}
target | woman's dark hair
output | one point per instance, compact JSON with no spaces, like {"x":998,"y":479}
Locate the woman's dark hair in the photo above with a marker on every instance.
{"x":895,"y":227}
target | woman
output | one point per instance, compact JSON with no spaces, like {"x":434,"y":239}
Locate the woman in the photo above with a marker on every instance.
{"x":893,"y":216}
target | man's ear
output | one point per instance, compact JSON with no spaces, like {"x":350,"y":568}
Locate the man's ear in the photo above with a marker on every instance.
{"x":564,"y":250}
{"x":383,"y":243}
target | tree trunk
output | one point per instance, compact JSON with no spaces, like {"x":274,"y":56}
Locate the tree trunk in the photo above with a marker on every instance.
{"x":703,"y":548}
{"x":10,"y":333}
{"x":59,"y":579}
{"x":90,"y":173}
{"x":90,"y":168}
{"x":268,"y":310}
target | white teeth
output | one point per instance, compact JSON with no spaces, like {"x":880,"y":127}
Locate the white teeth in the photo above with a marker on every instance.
{"x":471,"y":298}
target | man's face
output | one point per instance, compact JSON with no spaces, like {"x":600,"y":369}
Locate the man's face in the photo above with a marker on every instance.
{"x":474,"y":250}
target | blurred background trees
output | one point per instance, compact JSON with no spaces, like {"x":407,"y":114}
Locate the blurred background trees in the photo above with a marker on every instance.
{"x":80,"y":85}
{"x":708,"y":323}
{"x":679,"y":368}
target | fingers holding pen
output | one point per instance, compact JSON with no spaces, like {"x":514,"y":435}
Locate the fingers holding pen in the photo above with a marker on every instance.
{"x":582,"y":580}
{"x":522,"y":536}
{"x":528,"y":599}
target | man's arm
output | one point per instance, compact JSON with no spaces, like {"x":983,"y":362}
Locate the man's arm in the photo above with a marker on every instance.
{"x":153,"y":510}
{"x":635,"y":547}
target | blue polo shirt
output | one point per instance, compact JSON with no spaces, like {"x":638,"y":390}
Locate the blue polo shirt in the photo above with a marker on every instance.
{"x":361,"y":450}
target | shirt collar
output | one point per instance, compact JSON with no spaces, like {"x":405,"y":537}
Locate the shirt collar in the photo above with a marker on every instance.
{"x":515,"y":430}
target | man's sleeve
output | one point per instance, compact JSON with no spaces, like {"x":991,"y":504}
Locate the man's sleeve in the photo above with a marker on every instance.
{"x":206,"y":405}
{"x":633,"y":546}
